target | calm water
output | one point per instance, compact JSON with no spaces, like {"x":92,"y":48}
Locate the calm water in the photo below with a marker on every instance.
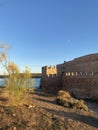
{"x":36,"y":82}
{"x":35,"y":85}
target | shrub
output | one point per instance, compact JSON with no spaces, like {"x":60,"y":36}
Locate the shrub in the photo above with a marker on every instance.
{"x":65,"y":99}
{"x":64,"y":94}
{"x":17,"y":84}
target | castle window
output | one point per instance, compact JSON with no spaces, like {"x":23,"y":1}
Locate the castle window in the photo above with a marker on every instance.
{"x":68,"y":73}
{"x":72,"y":74}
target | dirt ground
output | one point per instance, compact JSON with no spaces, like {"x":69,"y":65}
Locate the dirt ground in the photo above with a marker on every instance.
{"x":41,"y":112}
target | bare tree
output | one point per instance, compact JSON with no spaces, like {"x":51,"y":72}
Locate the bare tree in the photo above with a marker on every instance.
{"x":4,"y":57}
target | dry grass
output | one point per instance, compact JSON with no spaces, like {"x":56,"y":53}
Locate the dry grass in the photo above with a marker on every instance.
{"x":65,"y":99}
{"x":64,"y":94}
{"x":41,"y":112}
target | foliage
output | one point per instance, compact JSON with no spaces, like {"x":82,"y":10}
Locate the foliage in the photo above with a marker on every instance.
{"x":17,"y":83}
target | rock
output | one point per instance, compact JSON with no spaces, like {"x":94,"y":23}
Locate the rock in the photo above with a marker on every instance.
{"x":30,"y":106}
{"x":14,"y":128}
{"x":14,"y":114}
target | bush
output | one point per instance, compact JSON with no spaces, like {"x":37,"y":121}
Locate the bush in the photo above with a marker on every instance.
{"x":17,"y":84}
{"x":64,"y":94}
{"x":65,"y":99}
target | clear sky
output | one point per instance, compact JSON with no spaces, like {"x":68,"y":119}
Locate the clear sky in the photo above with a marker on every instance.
{"x":48,"y":32}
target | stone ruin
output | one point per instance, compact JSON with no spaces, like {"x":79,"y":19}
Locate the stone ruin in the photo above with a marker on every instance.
{"x":79,"y":76}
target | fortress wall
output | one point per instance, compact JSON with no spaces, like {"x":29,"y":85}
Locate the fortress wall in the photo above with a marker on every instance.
{"x":51,"y":84}
{"x":77,"y":66}
{"x":81,"y":87}
{"x":80,"y":84}
{"x":60,"y":69}
{"x":86,"y":66}
{"x":79,"y":76}
{"x":82,"y":67}
{"x":86,"y":58}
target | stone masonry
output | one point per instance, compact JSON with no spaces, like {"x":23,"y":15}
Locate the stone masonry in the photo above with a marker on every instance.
{"x":79,"y":76}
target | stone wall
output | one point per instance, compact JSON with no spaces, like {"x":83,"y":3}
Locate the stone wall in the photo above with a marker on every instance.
{"x":88,"y":66}
{"x":81,"y":87}
{"x":61,"y":68}
{"x":86,"y":63}
{"x":51,"y":84}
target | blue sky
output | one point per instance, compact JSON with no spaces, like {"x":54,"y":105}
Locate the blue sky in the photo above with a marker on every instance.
{"x":48,"y":32}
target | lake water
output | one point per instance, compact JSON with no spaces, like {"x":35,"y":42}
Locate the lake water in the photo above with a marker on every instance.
{"x":35,"y":85}
{"x":36,"y":82}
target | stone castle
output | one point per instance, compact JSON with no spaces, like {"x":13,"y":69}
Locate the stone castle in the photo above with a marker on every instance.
{"x":78,"y":76}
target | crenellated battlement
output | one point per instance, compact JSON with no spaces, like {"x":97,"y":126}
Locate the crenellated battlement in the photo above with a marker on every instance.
{"x":48,"y":71}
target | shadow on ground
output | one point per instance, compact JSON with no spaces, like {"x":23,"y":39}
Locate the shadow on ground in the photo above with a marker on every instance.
{"x":93,"y":105}
{"x":3,"y":99}
{"x":44,"y":100}
{"x":44,"y":94}
{"x":89,"y":120}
